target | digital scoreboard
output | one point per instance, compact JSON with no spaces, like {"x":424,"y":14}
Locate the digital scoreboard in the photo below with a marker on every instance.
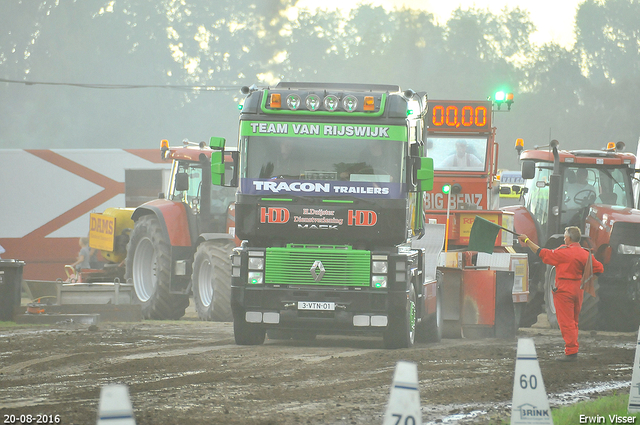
{"x":458,"y":115}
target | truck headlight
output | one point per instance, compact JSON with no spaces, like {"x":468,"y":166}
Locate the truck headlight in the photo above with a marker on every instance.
{"x":379,"y":267}
{"x":379,"y":281}
{"x":256,"y":263}
{"x":628,"y":249}
{"x":255,"y":278}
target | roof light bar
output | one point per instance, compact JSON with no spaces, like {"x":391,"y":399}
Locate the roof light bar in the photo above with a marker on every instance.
{"x":293,"y":101}
{"x":275,"y":100}
{"x":369,"y":104}
{"x":313,"y":102}
{"x":331,"y":103}
{"x":349,"y":103}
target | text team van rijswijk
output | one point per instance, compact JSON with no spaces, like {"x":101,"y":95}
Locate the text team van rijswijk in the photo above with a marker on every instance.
{"x":315,"y":129}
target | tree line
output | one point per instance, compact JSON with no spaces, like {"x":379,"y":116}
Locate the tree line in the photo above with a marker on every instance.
{"x":583,"y":96}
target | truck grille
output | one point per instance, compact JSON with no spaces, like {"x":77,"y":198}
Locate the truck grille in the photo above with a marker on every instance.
{"x":342,"y":267}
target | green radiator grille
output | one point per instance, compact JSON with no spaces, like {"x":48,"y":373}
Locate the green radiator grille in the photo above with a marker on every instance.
{"x":292,"y":266}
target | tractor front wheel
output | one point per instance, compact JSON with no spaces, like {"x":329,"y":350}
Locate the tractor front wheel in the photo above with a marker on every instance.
{"x":148,"y":264}
{"x":211,"y":280}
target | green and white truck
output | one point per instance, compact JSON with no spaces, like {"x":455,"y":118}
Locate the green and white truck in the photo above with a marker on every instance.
{"x":329,"y":208}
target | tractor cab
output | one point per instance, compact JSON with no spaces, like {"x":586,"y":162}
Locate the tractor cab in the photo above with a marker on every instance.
{"x":585,"y":178}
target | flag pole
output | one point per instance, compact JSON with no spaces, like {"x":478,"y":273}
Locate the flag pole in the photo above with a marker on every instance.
{"x":446,"y":232}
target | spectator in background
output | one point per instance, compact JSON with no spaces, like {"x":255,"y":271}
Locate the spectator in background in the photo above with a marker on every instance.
{"x":84,"y":257}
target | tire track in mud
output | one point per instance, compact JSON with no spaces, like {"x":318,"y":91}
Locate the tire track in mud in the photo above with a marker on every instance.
{"x":193,"y":373}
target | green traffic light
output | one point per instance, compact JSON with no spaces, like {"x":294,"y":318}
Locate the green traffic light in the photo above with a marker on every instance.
{"x":446,"y":189}
{"x":500,"y":96}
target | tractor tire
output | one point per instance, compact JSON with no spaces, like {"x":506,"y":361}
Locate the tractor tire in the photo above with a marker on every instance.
{"x":211,"y":281}
{"x":550,"y":308}
{"x":401,"y":330}
{"x":619,"y":315}
{"x":148,"y":264}
{"x":430,"y":329}
{"x":589,"y":313}
{"x":247,"y":333}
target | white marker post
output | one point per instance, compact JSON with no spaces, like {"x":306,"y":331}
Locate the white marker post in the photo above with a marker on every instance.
{"x":634,"y":393}
{"x":530,"y":405}
{"x":404,"y":399}
{"x":115,"y":406}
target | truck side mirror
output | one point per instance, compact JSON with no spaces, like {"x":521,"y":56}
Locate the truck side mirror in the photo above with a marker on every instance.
{"x":528,"y":170}
{"x":231,"y":169}
{"x":217,"y":160}
{"x":424,"y":174}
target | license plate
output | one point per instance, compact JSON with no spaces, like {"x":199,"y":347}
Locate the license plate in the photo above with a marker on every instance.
{"x":310,"y":305}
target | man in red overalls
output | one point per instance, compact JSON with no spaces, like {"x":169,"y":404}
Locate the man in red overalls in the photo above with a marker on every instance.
{"x":571,"y":262}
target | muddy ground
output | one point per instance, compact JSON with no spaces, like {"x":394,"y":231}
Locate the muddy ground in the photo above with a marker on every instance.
{"x":191,"y":372}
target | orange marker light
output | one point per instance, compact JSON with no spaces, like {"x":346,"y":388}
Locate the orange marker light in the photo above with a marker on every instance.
{"x":275,"y":100}
{"x":611,"y":145}
{"x":509,"y":97}
{"x":369,"y":104}
{"x":519,"y":143}
{"x":164,"y":144}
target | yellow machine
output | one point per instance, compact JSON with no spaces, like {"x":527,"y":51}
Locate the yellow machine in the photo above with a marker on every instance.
{"x":109,"y":232}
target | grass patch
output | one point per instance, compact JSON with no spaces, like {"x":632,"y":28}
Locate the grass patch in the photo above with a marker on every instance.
{"x":603,"y":409}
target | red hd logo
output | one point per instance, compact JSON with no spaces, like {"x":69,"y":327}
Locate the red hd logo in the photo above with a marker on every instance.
{"x":274,"y":215}
{"x":361,"y":218}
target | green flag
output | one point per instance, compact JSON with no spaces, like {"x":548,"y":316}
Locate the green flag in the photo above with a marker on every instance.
{"x":483,"y":235}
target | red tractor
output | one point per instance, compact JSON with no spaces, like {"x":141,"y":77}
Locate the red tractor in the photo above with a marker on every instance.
{"x":590,"y":189}
{"x":181,"y":243}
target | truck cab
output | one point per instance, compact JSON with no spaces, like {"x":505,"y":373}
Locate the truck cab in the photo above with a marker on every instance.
{"x":330,"y":187}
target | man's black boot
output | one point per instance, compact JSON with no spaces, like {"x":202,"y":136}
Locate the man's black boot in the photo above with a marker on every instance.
{"x":568,"y":358}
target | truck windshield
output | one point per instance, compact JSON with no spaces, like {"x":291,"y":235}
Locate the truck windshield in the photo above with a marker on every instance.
{"x":362,"y":160}
{"x":455,"y":153}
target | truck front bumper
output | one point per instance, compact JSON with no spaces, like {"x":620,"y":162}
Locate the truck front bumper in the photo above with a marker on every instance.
{"x":319,"y":310}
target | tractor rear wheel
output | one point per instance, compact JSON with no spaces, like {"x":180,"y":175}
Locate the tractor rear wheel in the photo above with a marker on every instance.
{"x":148,"y":264}
{"x":211,"y":280}
{"x":550,"y":308}
{"x":589,"y":313}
